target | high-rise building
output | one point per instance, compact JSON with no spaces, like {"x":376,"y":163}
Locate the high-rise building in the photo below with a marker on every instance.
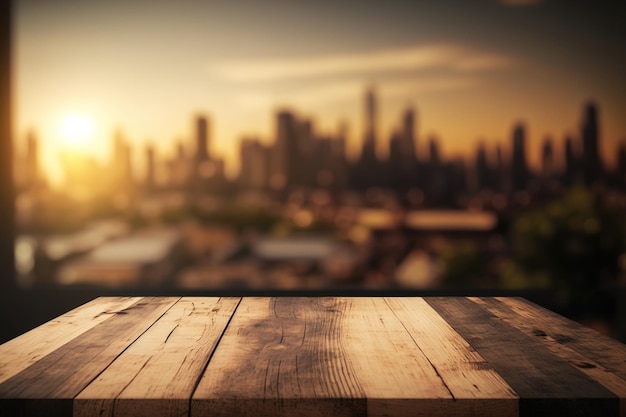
{"x":408,"y":124}
{"x":482,"y":170}
{"x":323,"y":169}
{"x":202,"y":138}
{"x":284,"y":159}
{"x":122,"y":162}
{"x":433,"y":152}
{"x":396,"y":151}
{"x":500,"y":172}
{"x":396,"y":166}
{"x":301,"y":163}
{"x":150,"y":167}
{"x":435,"y":175}
{"x":340,"y":169}
{"x":180,"y":168}
{"x":434,"y":161}
{"x":339,"y":148}
{"x":570,"y":160}
{"x":254,"y":164}
{"x":519,"y":166}
{"x":368,"y":153}
{"x":547,"y":158}
{"x":592,"y":166}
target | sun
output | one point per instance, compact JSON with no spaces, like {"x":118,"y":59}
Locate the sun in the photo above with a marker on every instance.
{"x":77,"y":130}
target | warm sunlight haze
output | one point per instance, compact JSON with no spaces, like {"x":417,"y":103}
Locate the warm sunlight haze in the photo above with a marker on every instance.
{"x":77,"y":131}
{"x":314,"y":145}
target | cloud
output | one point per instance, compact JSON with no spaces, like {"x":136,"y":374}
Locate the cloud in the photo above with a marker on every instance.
{"x":424,"y":57}
{"x":339,"y":91}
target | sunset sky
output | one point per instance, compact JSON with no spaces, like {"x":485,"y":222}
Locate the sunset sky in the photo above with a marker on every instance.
{"x":471,"y":68}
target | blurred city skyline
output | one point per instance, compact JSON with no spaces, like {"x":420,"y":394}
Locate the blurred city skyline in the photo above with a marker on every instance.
{"x":471,"y":71}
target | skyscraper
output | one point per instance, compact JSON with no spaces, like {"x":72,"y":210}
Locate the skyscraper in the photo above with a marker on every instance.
{"x":284,"y":158}
{"x":433,"y":152}
{"x":340,"y":172}
{"x":592,"y":166}
{"x":408,"y":124}
{"x":519,"y":166}
{"x":570,"y":160}
{"x":482,"y":169}
{"x":500,"y":172}
{"x":339,"y":149}
{"x":254,"y":164}
{"x":369,"y":141}
{"x":547,"y":158}
{"x":202,"y":138}
{"x":436,"y":181}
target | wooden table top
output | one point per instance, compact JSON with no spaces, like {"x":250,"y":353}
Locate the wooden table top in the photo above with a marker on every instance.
{"x":317,"y":356}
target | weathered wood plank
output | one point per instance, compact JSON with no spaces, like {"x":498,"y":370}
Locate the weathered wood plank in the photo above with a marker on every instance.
{"x":280,"y":356}
{"x":339,"y":356}
{"x":547,"y":384}
{"x":21,"y":352}
{"x":398,"y":378}
{"x":312,"y":356}
{"x":62,"y":374}
{"x":465,"y":373}
{"x":156,"y":375}
{"x":582,"y":339}
{"x":569,"y":340}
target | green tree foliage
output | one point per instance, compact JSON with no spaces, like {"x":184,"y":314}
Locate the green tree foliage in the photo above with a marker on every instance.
{"x":573,"y":245}
{"x":240,"y":218}
{"x":462,"y":266}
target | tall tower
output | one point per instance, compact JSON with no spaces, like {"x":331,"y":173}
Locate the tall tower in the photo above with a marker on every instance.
{"x":202,"y":138}
{"x":547,"y":158}
{"x":519,"y":166}
{"x":369,"y":142}
{"x":433,"y":151}
{"x":408,"y":125}
{"x":592,"y":166}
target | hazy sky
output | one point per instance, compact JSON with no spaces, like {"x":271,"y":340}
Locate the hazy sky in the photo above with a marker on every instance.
{"x":471,"y":68}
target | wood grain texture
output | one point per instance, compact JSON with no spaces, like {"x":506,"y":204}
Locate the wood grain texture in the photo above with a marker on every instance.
{"x":569,"y":340}
{"x":399,"y":378}
{"x":465,"y":373}
{"x":312,"y":356}
{"x":23,"y":351}
{"x":156,"y":375}
{"x":326,"y":356}
{"x":281,"y":356}
{"x":61,"y":375}
{"x":547,"y":384}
